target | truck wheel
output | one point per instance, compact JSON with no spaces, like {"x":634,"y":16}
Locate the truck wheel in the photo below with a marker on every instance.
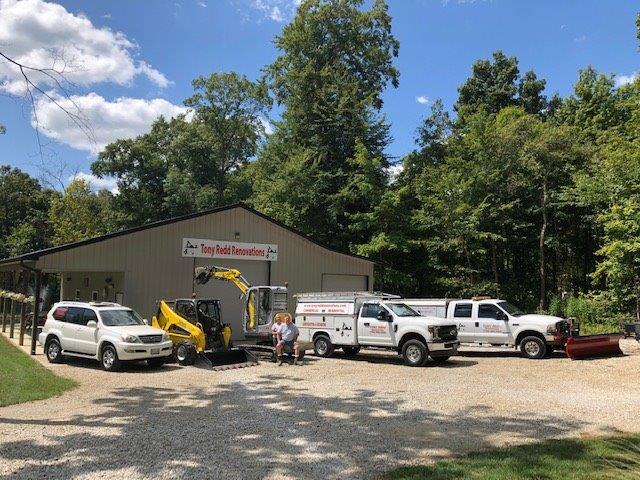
{"x":349,"y":351}
{"x":414,"y":353}
{"x":322,"y":346}
{"x":109,"y":358}
{"x":53,"y":351}
{"x":440,"y":360}
{"x":533,"y":347}
{"x":185,"y":354}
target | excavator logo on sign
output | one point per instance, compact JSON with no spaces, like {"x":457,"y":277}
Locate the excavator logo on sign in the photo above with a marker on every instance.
{"x":189,"y":247}
{"x":272,"y":253}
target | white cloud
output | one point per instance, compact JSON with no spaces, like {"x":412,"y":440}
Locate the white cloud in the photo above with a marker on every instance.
{"x":109,"y":121}
{"x":46,"y":35}
{"x":276,"y":10}
{"x":394,"y":170}
{"x":422,"y":100}
{"x":202,"y":4}
{"x":268,"y":127}
{"x":580,"y":39}
{"x":96,"y":183}
{"x":154,"y":75}
{"x":622,"y":80}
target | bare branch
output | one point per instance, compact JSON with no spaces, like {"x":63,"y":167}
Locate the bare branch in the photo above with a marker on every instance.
{"x":56,"y":76}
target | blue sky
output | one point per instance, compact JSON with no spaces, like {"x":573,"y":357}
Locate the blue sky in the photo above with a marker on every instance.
{"x":147,"y":53}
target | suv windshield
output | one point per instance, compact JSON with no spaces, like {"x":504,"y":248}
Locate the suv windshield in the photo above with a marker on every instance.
{"x":120,"y":318}
{"x":402,"y":310}
{"x":510,"y":309}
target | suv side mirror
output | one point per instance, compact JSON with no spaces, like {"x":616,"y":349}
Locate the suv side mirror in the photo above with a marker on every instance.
{"x":145,"y":321}
{"x":92,"y":324}
{"x":383,"y":316}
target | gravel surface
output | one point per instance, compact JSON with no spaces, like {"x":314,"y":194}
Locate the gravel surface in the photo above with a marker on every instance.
{"x":330,"y":418}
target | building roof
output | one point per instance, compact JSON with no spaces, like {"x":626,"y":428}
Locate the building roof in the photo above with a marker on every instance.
{"x":31,"y":256}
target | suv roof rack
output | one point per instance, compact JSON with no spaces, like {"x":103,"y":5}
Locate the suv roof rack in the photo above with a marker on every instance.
{"x":104,"y":304}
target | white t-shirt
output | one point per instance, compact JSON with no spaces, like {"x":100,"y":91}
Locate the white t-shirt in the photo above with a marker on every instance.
{"x":275,"y":328}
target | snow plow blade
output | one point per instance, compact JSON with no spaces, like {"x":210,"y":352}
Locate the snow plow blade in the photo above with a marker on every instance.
{"x":593,"y":346}
{"x":226,"y":360}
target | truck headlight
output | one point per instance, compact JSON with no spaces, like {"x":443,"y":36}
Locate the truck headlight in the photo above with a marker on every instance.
{"x":130,"y":339}
{"x":431,"y":329}
{"x":165,"y":337}
{"x":552,"y":329}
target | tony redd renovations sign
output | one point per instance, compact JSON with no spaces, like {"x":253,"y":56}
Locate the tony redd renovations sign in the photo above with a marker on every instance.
{"x":197,"y":247}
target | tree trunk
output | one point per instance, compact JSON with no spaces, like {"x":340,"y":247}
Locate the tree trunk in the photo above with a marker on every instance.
{"x":494,"y":262}
{"x":543,"y":234}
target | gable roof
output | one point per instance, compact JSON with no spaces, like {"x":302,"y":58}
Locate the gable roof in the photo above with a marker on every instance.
{"x":47,"y":251}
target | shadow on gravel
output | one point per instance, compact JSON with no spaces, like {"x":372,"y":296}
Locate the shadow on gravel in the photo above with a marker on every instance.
{"x":256,"y":429}
{"x":382,"y":357}
{"x":136,"y":367}
{"x":480,"y":353}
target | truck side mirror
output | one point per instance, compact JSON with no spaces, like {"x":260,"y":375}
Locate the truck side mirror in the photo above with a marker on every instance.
{"x":502,"y":316}
{"x":383,"y":316}
{"x":92,"y":324}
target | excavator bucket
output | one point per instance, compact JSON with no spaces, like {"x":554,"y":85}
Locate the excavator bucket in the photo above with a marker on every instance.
{"x":226,"y":359}
{"x":593,"y":346}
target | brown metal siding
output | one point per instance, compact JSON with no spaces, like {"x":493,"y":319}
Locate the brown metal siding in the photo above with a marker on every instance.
{"x":154,"y":268}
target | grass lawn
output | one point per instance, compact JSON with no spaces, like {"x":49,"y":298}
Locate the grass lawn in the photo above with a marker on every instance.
{"x":615,"y":458}
{"x":23,"y":379}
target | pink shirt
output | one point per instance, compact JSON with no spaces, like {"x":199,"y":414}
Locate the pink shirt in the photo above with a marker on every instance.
{"x":275,"y":328}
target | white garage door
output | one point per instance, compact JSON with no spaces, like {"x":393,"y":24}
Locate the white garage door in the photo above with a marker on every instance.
{"x":256,"y":272}
{"x":343,"y":283}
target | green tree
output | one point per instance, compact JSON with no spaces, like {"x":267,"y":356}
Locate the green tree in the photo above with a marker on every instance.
{"x":619,"y":265}
{"x":227,"y":126}
{"x":23,"y":207}
{"x":77,"y":214}
{"x":188,"y":163}
{"x":335,"y":61}
{"x":496,"y":84}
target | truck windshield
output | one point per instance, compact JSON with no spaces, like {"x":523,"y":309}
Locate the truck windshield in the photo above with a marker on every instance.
{"x":510,"y":309}
{"x":120,"y":318}
{"x":403,"y":310}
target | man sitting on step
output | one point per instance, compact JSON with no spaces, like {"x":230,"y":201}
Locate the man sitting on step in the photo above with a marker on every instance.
{"x":287,"y":336}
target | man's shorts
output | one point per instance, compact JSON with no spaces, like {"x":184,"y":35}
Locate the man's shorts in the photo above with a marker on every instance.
{"x":287,"y":344}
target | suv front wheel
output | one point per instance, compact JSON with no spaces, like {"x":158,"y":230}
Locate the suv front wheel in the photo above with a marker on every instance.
{"x":109,"y":358}
{"x":53,"y":349}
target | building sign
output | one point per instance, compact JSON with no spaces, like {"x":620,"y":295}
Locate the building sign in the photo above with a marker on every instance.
{"x":346,"y":308}
{"x":197,"y":247}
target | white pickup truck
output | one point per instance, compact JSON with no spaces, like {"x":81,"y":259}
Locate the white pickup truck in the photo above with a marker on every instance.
{"x":351,"y":320}
{"x":491,"y":321}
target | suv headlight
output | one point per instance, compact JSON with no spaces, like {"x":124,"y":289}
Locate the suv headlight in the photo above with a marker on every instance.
{"x":130,"y":339}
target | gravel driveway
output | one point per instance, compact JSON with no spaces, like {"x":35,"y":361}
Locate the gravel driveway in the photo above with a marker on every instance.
{"x":330,"y":418}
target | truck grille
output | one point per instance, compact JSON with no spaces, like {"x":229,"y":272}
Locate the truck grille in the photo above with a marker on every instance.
{"x":447,"y":332}
{"x":150,"y":338}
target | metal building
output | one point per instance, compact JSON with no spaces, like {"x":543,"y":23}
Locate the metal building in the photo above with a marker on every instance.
{"x":138,"y":266}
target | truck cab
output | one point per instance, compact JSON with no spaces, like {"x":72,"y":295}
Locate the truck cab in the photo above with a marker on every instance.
{"x":353,"y":320}
{"x":491,"y":321}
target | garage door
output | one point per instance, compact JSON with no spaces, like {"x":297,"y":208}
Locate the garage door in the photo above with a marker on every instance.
{"x":344,"y":283}
{"x":256,"y":273}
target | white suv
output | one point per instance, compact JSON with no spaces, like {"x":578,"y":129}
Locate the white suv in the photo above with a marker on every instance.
{"x":107,"y":332}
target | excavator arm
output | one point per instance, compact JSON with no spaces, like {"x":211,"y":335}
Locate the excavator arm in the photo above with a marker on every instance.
{"x":204,"y":274}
